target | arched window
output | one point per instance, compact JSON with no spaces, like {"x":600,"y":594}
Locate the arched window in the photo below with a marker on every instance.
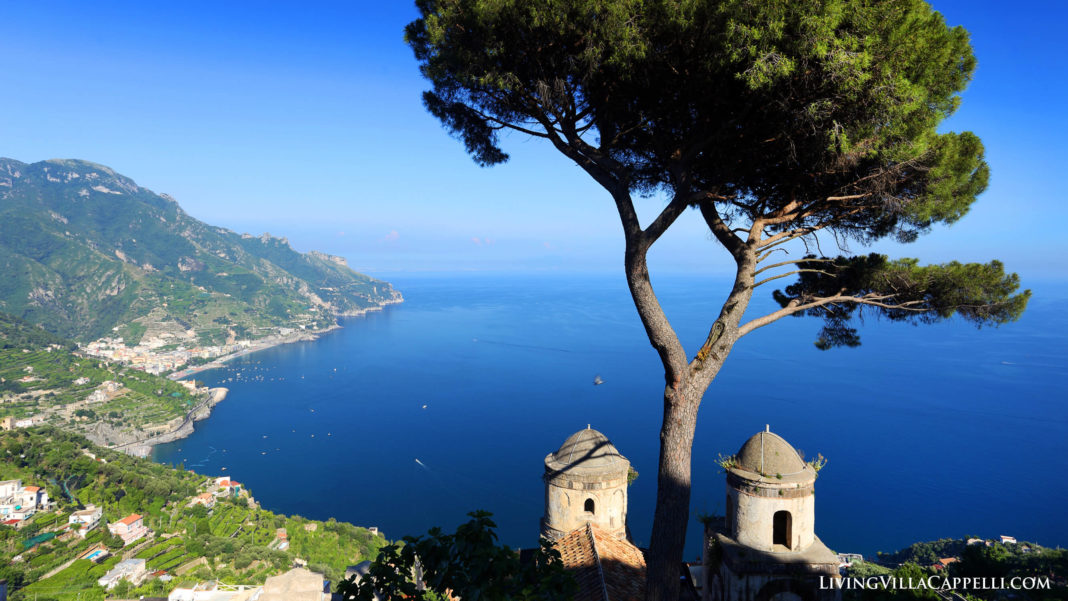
{"x":782,"y":524}
{"x":589,"y":506}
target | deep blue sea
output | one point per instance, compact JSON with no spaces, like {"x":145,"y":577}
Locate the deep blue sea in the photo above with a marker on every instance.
{"x":929,"y":431}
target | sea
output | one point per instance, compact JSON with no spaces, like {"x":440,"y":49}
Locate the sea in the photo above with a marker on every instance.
{"x":413,"y":416}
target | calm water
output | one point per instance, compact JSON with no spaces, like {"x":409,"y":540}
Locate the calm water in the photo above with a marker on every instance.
{"x":937,"y":431}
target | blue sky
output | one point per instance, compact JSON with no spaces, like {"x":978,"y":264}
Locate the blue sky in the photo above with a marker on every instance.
{"x":306,"y":121}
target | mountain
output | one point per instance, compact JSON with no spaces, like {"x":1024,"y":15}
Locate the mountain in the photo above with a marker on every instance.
{"x":85,"y":251}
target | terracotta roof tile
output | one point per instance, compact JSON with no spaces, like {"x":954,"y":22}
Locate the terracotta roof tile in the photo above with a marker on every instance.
{"x":623,"y":566}
{"x":605,"y":568}
{"x":130,"y":519}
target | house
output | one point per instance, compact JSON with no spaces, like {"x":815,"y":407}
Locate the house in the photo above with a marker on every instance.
{"x":227,"y":487}
{"x":86,"y":519}
{"x":206,"y":499}
{"x":18,"y":502}
{"x":129,"y":528}
{"x":8,"y":488}
{"x":81,"y":381}
{"x":945,"y":561}
{"x":1008,"y":540}
{"x":34,"y":495}
{"x":7,"y":423}
{"x":975,"y":541}
{"x":132,"y":570}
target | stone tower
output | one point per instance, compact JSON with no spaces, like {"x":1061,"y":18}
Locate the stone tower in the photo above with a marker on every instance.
{"x":585,"y":483}
{"x":766,"y":547}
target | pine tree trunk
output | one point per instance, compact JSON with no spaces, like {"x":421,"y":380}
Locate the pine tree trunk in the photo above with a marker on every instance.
{"x":673,"y":496}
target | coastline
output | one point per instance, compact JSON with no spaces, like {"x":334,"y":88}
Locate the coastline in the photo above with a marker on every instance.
{"x":142,"y":448}
{"x":277,"y":340}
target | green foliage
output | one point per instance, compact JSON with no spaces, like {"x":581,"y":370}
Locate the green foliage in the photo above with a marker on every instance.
{"x":925,"y":553}
{"x":817,"y":463}
{"x":18,"y":334}
{"x":233,"y":535}
{"x":900,"y":290}
{"x":468,"y":564}
{"x":778,"y":101}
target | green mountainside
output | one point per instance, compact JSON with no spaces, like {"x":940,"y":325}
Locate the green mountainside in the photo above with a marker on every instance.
{"x":84,"y":250}
{"x":233,"y":541}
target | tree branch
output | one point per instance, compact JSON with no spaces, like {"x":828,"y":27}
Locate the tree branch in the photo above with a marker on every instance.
{"x":774,"y":265}
{"x":796,"y":307}
{"x":664,"y":220}
{"x":722,"y":232}
{"x":789,"y":273}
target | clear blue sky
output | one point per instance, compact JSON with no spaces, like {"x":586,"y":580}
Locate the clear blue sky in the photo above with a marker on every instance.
{"x":306,"y":121}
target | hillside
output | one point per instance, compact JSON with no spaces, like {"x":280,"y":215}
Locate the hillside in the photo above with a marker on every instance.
{"x":86,"y":251}
{"x":234,"y":540}
{"x":42,"y":380}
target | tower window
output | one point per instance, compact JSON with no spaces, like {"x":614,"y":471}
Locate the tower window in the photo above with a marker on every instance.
{"x":782,"y":524}
{"x":589,"y":506}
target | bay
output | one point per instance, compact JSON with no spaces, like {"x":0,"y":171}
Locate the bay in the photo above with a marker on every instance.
{"x":411,"y":417}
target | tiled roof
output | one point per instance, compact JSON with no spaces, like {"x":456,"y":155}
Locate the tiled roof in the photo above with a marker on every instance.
{"x":130,"y":519}
{"x":31,"y":488}
{"x":605,"y":568}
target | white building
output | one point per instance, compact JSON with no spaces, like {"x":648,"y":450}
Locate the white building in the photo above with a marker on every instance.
{"x":767,"y":548}
{"x":86,"y":519}
{"x":585,"y":482}
{"x":127,"y":569}
{"x":8,"y":488}
{"x":18,"y":502}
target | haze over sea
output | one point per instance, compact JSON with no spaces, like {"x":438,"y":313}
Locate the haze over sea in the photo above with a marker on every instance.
{"x":931,"y":431}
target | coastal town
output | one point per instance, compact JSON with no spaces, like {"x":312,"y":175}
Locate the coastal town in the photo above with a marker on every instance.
{"x":179,"y":355}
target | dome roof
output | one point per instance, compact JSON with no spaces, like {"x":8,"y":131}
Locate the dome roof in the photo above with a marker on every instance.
{"x":766,"y":453}
{"x":587,"y":452}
